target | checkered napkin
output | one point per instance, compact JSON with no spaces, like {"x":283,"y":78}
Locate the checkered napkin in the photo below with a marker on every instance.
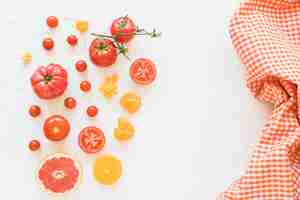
{"x":266,"y":37}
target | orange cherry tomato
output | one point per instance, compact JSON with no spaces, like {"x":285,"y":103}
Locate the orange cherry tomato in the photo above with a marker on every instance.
{"x":70,"y":103}
{"x":34,"y":111}
{"x":34,"y":145}
{"x":48,"y":43}
{"x":92,"y":111}
{"x":91,"y":139}
{"x":56,"y":128}
{"x":85,"y":86}
{"x":52,"y":21}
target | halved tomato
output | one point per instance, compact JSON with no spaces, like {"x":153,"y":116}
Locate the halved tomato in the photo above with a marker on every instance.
{"x":91,"y":139}
{"x":143,"y":71}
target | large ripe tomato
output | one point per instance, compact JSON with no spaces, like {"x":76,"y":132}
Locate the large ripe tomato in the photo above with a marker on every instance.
{"x":103,"y":52}
{"x":56,"y":128}
{"x":143,"y":71}
{"x":91,"y":139}
{"x":49,"y":82}
{"x":123,"y":29}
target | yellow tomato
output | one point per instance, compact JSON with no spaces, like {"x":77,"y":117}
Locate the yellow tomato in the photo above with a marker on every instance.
{"x":131,"y":102}
{"x":107,"y":169}
{"x":27,"y":58}
{"x":124,"y":131}
{"x":82,"y":25}
{"x":109,"y":86}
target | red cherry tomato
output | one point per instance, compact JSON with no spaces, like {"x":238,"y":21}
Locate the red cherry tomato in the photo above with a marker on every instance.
{"x":34,"y":145}
{"x":91,"y":139}
{"x":34,"y":111}
{"x":52,"y":21}
{"x":56,"y":128}
{"x":48,"y":43}
{"x":85,"y":86}
{"x":143,"y":71}
{"x":92,"y":111}
{"x":123,"y":29}
{"x":102,"y":52}
{"x":70,"y":103}
{"x":72,"y":40}
{"x":80,"y":65}
{"x":49,"y":82}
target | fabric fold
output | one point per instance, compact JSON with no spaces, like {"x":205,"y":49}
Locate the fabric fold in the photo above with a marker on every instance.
{"x":266,"y":37}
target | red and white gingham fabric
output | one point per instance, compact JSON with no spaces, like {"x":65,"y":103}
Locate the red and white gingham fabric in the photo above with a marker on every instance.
{"x":266,"y":36}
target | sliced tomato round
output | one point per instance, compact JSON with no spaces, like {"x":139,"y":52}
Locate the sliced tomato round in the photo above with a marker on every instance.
{"x":143,"y":71}
{"x":91,"y":139}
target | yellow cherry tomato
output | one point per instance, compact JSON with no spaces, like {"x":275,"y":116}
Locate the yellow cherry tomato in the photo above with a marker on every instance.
{"x":131,"y":102}
{"x":82,"y":25}
{"x":125,"y":130}
{"x":109,"y":86}
{"x":107,"y":169}
{"x":27,"y":58}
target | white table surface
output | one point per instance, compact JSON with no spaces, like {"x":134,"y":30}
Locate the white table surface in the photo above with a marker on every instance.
{"x":198,"y":121}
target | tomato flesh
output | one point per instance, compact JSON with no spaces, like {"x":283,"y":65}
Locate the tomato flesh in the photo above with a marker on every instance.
{"x":56,"y":128}
{"x":143,"y":71}
{"x":91,"y":139}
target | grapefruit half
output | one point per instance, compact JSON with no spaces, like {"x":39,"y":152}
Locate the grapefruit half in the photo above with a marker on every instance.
{"x":59,"y":174}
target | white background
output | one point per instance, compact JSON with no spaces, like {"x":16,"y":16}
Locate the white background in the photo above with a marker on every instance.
{"x":198,"y":121}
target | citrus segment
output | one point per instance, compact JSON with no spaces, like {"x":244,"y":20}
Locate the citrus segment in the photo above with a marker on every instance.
{"x":107,"y":169}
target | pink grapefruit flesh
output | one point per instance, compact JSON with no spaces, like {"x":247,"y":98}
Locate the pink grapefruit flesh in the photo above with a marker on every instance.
{"x":59,"y":174}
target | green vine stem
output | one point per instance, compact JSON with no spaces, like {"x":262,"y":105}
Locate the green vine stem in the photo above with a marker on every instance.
{"x":121,"y":47}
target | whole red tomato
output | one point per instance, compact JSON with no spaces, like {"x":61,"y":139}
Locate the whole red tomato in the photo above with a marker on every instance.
{"x":56,"y":128}
{"x":49,"y":82}
{"x":103,"y":52}
{"x":123,"y":29}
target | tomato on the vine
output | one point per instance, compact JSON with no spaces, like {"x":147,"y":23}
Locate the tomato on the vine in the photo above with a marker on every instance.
{"x":91,"y":139}
{"x":34,"y":145}
{"x":123,"y":29}
{"x":80,"y":65}
{"x":56,"y":128}
{"x":72,"y":40}
{"x":103,"y":52}
{"x":70,"y":103}
{"x":92,"y":111}
{"x":52,"y":21}
{"x":49,"y":82}
{"x":48,"y":43}
{"x":143,"y":71}
{"x":85,"y":86}
{"x":34,"y":111}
